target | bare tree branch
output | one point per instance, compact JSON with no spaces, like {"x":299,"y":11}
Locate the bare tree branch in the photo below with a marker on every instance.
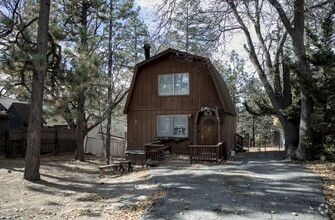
{"x":251,"y":50}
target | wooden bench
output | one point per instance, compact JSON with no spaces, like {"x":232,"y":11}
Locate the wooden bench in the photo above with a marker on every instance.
{"x":115,"y":167}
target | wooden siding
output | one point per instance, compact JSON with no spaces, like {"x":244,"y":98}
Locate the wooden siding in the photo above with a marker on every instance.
{"x":145,"y":104}
{"x":145,"y":91}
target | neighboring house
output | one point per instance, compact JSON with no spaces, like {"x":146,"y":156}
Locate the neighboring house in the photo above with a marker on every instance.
{"x":95,"y":139}
{"x":8,"y":119}
{"x":56,"y":120}
{"x":2,"y":107}
{"x":6,"y":102}
{"x":179,"y":98}
{"x":16,"y":122}
{"x":19,"y":115}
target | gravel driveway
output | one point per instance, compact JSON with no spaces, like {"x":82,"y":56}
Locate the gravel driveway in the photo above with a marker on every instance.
{"x":258,"y":186}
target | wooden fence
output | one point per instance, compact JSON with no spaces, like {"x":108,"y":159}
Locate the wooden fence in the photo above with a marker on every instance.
{"x":53,"y":140}
{"x":207,"y":153}
{"x":3,"y":144}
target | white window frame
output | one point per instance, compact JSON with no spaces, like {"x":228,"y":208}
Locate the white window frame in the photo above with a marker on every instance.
{"x":174,"y":92}
{"x":173,"y":128}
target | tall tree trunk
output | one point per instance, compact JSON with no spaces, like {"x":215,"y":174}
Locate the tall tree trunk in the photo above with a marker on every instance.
{"x":80,"y":126}
{"x":108,"y":136}
{"x":187,"y":27}
{"x":306,"y":99}
{"x":279,"y":99}
{"x":32,"y":163}
{"x":304,"y":73}
{"x":291,"y":136}
{"x":305,"y":81}
{"x":305,"y":129}
{"x":110,"y":86}
{"x":81,"y":122}
{"x":253,"y":132}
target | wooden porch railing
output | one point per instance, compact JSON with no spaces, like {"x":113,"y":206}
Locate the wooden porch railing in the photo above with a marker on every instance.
{"x":207,"y":153}
{"x":239,"y":142}
{"x":155,"y":151}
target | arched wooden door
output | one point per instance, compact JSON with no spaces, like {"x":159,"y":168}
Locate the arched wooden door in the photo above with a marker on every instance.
{"x":208,"y":130}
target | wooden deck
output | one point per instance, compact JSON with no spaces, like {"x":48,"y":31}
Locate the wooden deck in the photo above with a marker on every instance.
{"x":207,"y":153}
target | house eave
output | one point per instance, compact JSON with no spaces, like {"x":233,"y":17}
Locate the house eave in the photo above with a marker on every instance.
{"x":224,"y":100}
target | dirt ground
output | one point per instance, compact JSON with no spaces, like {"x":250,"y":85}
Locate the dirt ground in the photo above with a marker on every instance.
{"x":73,"y":190}
{"x":327,"y":171}
{"x":70,"y":189}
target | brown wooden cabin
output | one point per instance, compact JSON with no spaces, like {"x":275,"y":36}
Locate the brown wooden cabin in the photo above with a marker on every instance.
{"x":182,"y":100}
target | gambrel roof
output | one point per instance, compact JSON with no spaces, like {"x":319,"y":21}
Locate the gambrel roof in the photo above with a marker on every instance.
{"x":218,"y":81}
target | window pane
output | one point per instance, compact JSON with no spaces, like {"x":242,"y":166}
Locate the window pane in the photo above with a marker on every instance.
{"x":164,"y":126}
{"x":181,"y":84}
{"x":180,"y":126}
{"x":172,"y":126}
{"x":165,"y":85}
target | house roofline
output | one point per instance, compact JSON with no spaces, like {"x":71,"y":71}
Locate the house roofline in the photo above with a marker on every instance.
{"x":15,"y":104}
{"x":214,"y":74}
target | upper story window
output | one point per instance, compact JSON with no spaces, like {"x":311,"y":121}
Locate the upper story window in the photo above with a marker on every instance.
{"x":173,"y":84}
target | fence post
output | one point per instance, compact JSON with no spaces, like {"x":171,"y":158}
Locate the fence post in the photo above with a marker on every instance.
{"x":56,"y":150}
{"x":22,"y":144}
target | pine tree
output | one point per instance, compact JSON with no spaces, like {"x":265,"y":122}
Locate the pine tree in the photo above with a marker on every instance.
{"x":184,"y":27}
{"x":96,"y":65}
{"x":124,"y":39}
{"x":322,"y":56}
{"x":18,"y":43}
{"x":32,"y":165}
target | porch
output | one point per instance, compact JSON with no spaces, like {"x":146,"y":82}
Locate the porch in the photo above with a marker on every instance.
{"x":207,"y":153}
{"x":157,"y":152}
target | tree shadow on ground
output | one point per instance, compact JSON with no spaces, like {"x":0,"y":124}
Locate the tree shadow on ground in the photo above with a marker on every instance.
{"x":258,"y":186}
{"x":77,"y":184}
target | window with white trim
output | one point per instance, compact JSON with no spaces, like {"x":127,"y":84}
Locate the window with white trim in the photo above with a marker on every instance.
{"x":173,"y":84}
{"x":172,"y":126}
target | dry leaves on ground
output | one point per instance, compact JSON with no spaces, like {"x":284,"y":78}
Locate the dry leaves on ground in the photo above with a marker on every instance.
{"x":137,"y":210}
{"x":326,"y":170}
